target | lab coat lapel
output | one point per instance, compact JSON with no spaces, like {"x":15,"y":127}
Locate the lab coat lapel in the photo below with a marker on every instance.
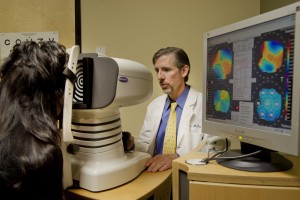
{"x":157,"y":114}
{"x":187,"y":114}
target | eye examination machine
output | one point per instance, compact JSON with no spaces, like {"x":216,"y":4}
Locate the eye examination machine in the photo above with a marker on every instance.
{"x":95,"y":158}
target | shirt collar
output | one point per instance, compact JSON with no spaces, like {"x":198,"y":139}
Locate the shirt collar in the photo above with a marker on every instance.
{"x":180,"y":100}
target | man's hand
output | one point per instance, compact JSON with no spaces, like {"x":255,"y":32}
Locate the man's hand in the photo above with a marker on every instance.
{"x":160,"y":162}
{"x":128,"y":141}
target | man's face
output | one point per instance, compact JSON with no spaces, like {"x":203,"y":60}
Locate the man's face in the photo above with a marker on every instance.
{"x":170,"y":77}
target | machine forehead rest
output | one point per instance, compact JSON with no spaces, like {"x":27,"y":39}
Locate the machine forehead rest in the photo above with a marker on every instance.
{"x":70,"y":75}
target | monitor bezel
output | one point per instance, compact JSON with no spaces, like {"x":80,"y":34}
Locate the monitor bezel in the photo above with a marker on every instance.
{"x":267,"y":139}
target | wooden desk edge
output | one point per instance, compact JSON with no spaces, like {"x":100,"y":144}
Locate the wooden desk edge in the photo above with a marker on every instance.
{"x":213,"y":172}
{"x":139,"y":188}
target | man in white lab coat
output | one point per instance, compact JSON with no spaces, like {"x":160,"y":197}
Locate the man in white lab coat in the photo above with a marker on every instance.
{"x":172,"y":68}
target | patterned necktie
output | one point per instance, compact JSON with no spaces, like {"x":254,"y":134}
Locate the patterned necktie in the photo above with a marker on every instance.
{"x":170,"y":134}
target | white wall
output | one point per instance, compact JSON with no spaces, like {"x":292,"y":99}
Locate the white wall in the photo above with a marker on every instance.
{"x":135,"y":29}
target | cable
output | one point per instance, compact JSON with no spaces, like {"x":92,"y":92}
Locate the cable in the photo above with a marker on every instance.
{"x":214,"y":157}
{"x":220,"y":152}
{"x":206,"y":160}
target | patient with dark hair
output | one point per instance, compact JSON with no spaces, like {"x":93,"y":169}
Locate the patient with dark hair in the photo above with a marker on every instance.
{"x":31,"y":99}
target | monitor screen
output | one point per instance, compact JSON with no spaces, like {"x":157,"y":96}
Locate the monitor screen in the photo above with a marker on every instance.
{"x":252,"y":87}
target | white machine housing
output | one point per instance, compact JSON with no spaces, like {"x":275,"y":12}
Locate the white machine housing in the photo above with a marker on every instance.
{"x":101,"y":162}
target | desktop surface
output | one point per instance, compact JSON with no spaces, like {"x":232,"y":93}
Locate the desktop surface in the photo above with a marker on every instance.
{"x":145,"y":186}
{"x":214,"y":172}
{"x":212,"y":181}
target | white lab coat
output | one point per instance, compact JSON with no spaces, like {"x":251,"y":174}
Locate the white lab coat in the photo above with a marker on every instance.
{"x":189,"y":130}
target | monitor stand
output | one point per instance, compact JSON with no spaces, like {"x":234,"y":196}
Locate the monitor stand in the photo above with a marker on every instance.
{"x":265,"y":161}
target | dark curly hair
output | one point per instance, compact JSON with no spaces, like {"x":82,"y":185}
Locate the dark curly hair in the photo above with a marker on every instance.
{"x":31,"y":91}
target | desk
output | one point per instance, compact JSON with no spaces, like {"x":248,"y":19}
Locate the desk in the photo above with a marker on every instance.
{"x":147,"y":185}
{"x":215,"y":182}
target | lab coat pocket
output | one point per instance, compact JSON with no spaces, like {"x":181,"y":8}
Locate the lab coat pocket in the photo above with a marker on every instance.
{"x":195,"y":128}
{"x":195,"y":125}
{"x":190,"y":141}
{"x":195,"y":133}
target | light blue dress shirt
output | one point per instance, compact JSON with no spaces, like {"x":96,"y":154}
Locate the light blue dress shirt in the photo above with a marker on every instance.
{"x":165,"y":116}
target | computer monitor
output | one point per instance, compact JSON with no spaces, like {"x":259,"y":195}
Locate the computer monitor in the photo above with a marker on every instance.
{"x":252,"y":88}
